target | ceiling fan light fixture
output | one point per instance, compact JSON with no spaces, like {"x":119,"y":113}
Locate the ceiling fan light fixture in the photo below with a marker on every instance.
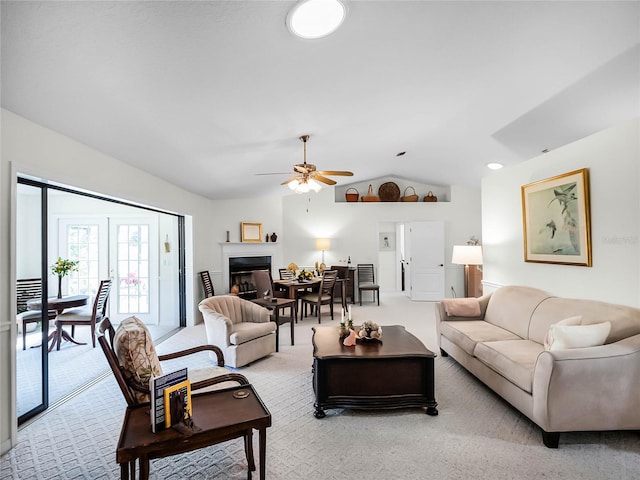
{"x":312,"y":19}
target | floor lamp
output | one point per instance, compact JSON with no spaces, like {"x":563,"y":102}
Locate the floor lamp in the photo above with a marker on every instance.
{"x":466,"y":255}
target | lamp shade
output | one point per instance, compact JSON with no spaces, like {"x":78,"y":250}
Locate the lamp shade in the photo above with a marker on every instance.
{"x":467,"y":255}
{"x":323,"y":244}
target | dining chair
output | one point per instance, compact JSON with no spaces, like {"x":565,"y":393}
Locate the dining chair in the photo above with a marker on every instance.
{"x":323,"y":296}
{"x":366,"y":281}
{"x":285,"y":274}
{"x":264,"y":287}
{"x":207,"y":284}
{"x":85,"y":316}
{"x":26,"y":289}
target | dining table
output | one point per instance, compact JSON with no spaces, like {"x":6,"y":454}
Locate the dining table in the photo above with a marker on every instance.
{"x":59,"y":305}
{"x":295,"y":287}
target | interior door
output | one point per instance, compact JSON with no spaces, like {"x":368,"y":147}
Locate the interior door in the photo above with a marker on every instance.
{"x":133,"y":244}
{"x":425,"y":246}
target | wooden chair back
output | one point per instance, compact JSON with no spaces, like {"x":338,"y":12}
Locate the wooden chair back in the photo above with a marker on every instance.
{"x":328,"y":281}
{"x":262,"y":282}
{"x":105,"y":339}
{"x":207,"y":284}
{"x":26,"y":289}
{"x":285,"y":275}
{"x":365,"y":273}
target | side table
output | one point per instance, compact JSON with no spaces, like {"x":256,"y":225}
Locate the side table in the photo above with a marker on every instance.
{"x":278,"y":305}
{"x":219,"y":416}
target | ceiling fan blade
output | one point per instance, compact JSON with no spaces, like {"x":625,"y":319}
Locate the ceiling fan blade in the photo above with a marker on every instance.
{"x":274,"y":173}
{"x":339,"y":173}
{"x":297,"y":177}
{"x":322,"y":179}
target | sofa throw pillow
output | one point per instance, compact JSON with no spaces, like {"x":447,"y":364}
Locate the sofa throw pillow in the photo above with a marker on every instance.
{"x":135,"y":351}
{"x":579,"y":336}
{"x":462,"y":307}
{"x":548,"y":338}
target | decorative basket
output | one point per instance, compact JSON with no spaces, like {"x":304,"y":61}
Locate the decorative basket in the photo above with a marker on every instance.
{"x":352,"y":197}
{"x":389,"y":192}
{"x":409,"y":198}
{"x":370,"y":197}
{"x":430,"y":197}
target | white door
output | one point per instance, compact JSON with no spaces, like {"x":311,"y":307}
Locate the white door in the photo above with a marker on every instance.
{"x":133,"y":257}
{"x":425,"y":253}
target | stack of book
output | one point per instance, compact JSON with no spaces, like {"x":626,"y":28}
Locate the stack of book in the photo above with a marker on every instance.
{"x":170,"y":399}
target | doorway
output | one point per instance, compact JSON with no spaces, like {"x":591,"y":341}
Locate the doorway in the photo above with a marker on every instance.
{"x":139,"y":248}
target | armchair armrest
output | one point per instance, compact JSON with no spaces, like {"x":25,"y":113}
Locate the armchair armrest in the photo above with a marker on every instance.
{"x":595,"y":388}
{"x":189,"y":351}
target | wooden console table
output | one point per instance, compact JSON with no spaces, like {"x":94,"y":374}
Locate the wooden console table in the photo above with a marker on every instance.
{"x":219,"y":416}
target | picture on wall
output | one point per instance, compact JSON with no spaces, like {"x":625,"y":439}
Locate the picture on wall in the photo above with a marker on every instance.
{"x":251,"y":232}
{"x":387,"y":241}
{"x":556,"y":220}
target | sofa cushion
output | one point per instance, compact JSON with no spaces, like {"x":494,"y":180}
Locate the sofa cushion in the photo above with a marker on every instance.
{"x":548,"y":338}
{"x":578,"y":336}
{"x":513,"y":359}
{"x":135,"y":351}
{"x":511,"y":308}
{"x":247,"y":331}
{"x":461,"y":307}
{"x":467,"y":333}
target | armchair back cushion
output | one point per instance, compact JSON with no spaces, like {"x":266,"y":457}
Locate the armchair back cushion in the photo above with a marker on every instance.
{"x":134,"y":348}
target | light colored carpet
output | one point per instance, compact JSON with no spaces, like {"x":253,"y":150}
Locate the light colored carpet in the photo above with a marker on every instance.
{"x":476,"y":435}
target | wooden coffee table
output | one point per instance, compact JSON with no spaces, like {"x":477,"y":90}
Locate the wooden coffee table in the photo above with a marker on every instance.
{"x":395,"y":373}
{"x":219,"y":416}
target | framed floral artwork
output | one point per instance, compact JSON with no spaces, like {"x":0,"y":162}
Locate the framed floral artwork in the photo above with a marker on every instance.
{"x":556,"y":220}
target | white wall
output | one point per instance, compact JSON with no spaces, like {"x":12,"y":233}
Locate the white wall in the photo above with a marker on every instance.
{"x":353,"y":227}
{"x":613,"y":159}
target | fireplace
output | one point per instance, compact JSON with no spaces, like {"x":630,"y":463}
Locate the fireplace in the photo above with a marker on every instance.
{"x":240,"y":269}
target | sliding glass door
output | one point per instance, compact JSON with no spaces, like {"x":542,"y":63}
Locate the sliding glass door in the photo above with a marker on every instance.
{"x":140,"y":249}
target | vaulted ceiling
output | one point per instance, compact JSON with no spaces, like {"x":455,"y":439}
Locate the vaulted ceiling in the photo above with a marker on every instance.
{"x":207,"y":94}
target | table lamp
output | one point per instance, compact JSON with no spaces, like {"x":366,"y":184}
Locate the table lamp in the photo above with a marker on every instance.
{"x":466,"y":255}
{"x":323,"y":244}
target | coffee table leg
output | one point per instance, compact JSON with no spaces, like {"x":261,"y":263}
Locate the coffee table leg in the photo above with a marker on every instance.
{"x":263,"y":453}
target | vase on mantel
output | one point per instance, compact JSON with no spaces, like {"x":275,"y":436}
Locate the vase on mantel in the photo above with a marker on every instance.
{"x":59,"y":287}
{"x":274,"y":237}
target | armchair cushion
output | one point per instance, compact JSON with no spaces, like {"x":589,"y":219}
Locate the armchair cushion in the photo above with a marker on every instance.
{"x":245,"y":332}
{"x":137,"y":355}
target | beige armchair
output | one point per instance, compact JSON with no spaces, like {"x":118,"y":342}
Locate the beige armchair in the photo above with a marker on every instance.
{"x":240,"y":328}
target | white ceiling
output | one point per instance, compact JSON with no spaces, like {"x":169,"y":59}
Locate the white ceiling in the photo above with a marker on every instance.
{"x":208,"y":93}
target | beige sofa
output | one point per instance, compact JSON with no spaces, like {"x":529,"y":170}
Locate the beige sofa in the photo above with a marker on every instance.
{"x":240,"y":328}
{"x":578,"y":389}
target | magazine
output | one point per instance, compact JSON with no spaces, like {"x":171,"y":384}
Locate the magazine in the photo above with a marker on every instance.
{"x":157,"y":386}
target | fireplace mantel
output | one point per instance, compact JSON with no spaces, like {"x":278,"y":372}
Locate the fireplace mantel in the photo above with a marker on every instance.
{"x":248,"y":249}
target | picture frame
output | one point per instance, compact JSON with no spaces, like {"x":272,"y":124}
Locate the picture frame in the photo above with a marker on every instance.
{"x":387,"y":242}
{"x":556,"y":220}
{"x":251,"y":232}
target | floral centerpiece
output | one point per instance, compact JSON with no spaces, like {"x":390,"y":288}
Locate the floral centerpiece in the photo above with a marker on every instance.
{"x":62,"y":268}
{"x":305,"y":275}
{"x":292,"y":268}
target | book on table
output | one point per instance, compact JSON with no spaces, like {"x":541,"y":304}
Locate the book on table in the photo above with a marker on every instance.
{"x":157,"y":386}
{"x":177,"y":403}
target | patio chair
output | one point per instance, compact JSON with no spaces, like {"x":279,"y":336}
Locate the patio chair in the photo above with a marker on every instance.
{"x":26,"y":289}
{"x":84,"y":316}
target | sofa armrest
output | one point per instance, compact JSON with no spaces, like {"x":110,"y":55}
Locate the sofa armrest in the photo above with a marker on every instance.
{"x":582,"y":389}
{"x":441,"y":314}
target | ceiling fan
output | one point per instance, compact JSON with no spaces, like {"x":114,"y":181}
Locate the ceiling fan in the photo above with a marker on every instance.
{"x":307,"y":176}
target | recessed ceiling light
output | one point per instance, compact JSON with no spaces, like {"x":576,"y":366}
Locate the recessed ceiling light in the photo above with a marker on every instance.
{"x":315,"y":18}
{"x":494,"y":165}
